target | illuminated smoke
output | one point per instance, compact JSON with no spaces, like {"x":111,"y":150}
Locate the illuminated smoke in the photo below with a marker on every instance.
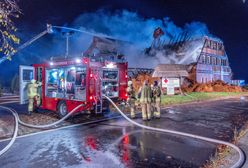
{"x":138,"y":31}
{"x":125,"y":25}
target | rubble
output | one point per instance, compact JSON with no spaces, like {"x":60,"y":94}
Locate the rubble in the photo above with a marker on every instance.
{"x":190,"y":85}
{"x":216,"y":86}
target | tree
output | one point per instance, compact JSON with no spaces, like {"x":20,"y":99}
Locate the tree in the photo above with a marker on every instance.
{"x":9,"y":10}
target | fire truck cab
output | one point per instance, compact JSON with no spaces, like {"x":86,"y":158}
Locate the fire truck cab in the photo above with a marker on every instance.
{"x":69,"y":82}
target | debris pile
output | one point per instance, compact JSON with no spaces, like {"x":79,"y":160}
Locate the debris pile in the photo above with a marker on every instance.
{"x":217,"y":86}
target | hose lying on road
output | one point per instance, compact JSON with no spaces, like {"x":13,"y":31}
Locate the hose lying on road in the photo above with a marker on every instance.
{"x":51,"y":124}
{"x":17,"y":120}
{"x":238,"y":164}
{"x":11,"y":142}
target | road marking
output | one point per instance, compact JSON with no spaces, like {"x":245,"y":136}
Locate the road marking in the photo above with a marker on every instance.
{"x":9,"y":102}
{"x":4,"y":98}
{"x":65,"y":127}
{"x":9,"y":97}
{"x":5,"y":101}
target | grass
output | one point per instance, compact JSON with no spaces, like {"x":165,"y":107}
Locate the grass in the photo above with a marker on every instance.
{"x":222,"y":152}
{"x":197,"y":96}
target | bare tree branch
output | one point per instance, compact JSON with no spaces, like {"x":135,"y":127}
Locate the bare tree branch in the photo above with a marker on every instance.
{"x":9,"y":10}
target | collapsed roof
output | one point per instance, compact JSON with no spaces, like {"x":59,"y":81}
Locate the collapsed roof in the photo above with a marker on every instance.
{"x":181,"y":49}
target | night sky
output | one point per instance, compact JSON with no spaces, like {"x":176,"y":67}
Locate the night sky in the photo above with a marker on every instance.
{"x":226,"y":19}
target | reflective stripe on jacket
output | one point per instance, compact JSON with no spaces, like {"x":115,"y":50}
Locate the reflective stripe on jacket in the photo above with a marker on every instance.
{"x":145,"y":94}
{"x":156,"y":92}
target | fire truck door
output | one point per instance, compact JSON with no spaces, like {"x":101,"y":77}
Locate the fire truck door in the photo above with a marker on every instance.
{"x":26,"y":74}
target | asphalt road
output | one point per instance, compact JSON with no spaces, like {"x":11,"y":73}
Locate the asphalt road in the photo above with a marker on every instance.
{"x":117,"y":143}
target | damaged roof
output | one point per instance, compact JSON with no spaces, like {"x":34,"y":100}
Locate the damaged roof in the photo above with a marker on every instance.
{"x":171,"y":70}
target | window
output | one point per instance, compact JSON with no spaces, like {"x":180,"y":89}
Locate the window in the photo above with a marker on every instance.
{"x":80,"y":83}
{"x":211,"y":44}
{"x":51,"y":82}
{"x":203,"y":59}
{"x":27,"y":75}
{"x":219,"y":46}
{"x":110,"y":83}
{"x":110,"y":75}
{"x":225,"y":62}
{"x":208,"y":60}
{"x":213,"y":60}
{"x":217,"y":61}
{"x":208,"y":44}
{"x":214,"y":45}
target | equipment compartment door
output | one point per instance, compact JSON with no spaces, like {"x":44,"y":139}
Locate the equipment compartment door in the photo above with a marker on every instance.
{"x":26,"y":74}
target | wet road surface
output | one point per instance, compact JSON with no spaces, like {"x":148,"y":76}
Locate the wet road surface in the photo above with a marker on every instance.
{"x":117,"y":143}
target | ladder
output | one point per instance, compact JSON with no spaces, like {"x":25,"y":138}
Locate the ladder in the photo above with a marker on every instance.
{"x":98,"y":91}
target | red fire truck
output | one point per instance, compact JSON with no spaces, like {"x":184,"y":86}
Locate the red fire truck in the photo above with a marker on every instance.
{"x":69,"y":82}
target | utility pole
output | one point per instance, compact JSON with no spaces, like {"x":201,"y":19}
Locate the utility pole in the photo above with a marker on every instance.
{"x":67,"y":36}
{"x":67,"y":44}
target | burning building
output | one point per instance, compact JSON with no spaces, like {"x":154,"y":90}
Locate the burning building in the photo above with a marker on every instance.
{"x":206,"y":57}
{"x":212,"y":63}
{"x":203,"y":59}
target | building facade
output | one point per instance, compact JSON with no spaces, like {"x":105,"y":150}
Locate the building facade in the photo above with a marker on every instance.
{"x":212,"y":63}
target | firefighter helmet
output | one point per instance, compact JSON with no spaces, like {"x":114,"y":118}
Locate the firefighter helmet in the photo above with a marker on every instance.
{"x":33,"y":81}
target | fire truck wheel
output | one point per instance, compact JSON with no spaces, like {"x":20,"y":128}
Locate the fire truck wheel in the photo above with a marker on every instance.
{"x":62,"y":109}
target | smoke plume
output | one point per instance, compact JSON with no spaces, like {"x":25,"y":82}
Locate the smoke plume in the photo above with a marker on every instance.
{"x":138,"y":32}
{"x":127,"y":26}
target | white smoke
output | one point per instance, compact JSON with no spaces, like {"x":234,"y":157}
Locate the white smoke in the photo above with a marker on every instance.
{"x":138,"y":31}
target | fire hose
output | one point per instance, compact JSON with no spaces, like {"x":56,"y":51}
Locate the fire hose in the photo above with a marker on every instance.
{"x":6,"y":148}
{"x":18,"y":121}
{"x":238,"y":164}
{"x":52,"y":124}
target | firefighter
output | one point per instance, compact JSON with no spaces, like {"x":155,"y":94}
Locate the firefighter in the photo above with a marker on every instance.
{"x":131,"y":98}
{"x":145,"y":101}
{"x":156,"y":99}
{"x":33,"y":95}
